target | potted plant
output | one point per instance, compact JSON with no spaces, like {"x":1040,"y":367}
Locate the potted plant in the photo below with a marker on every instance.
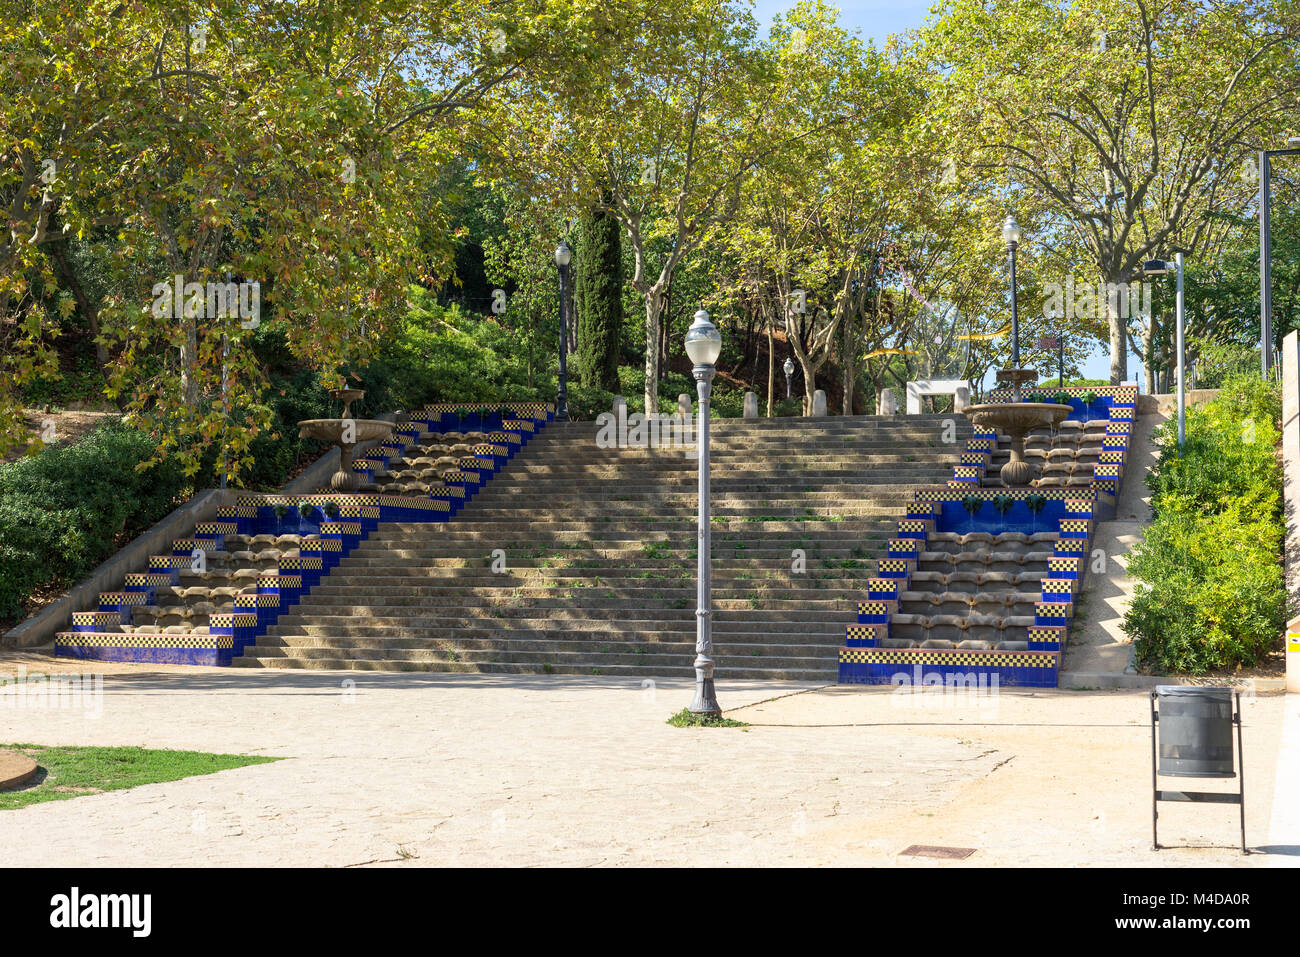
{"x":280,"y":510}
{"x":1035,"y":504}
{"x":1088,"y":399}
{"x":331,"y":510}
{"x":1003,"y":504}
{"x":972,"y":504}
{"x":305,"y":511}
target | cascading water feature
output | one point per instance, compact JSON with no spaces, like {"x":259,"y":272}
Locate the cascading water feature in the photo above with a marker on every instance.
{"x":1016,"y":419}
{"x":982,"y":576}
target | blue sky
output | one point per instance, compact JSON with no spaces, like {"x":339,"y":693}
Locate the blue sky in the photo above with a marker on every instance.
{"x":877,"y":19}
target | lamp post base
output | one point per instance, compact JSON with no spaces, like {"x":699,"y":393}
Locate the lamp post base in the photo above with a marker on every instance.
{"x":706,"y":701}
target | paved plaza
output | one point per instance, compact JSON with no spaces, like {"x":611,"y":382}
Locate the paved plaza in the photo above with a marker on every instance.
{"x":416,"y":770}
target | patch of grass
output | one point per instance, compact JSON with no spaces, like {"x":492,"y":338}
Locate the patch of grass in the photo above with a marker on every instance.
{"x":70,"y":772}
{"x":685,"y":719}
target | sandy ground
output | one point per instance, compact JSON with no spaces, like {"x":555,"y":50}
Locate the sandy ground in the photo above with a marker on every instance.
{"x":68,"y":425}
{"x":411,"y":770}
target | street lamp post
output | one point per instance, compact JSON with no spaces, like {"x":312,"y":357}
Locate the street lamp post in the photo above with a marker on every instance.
{"x":1011,"y":234}
{"x":1266,"y":253}
{"x":789,"y":371}
{"x":563,"y":254}
{"x":703,"y":345}
{"x":1157,"y":267}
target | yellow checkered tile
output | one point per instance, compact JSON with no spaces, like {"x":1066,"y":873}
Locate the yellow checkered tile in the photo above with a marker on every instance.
{"x":1054,"y":609}
{"x":869,"y":632}
{"x":877,"y":607}
{"x":236,"y":620}
{"x":92,"y":640}
{"x":147,"y":579}
{"x":340,"y":528}
{"x":992,"y":659}
{"x":125,"y":597}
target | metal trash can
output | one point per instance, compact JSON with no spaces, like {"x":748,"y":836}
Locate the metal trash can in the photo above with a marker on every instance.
{"x":1195,"y":731}
{"x":1194,"y":740}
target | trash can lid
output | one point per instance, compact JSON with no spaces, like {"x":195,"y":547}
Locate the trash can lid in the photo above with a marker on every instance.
{"x":1197,"y":691}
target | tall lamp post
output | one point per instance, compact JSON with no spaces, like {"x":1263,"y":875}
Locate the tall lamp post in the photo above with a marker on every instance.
{"x":1266,"y":252}
{"x":703,"y":346}
{"x":1011,"y":235}
{"x":563,"y":255}
{"x":1158,"y":267}
{"x":789,"y":371}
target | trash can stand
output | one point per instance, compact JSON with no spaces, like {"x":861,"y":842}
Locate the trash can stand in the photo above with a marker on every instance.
{"x":1197,"y":797}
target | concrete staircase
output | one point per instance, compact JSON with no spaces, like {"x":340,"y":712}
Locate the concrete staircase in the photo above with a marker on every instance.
{"x":594,"y":565}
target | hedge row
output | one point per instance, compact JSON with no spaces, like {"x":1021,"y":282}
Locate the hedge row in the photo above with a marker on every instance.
{"x":1210,"y":588}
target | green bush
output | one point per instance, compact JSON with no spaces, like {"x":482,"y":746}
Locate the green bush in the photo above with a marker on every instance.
{"x":1217,"y":362}
{"x":1210,"y":590}
{"x":65,"y":509}
{"x":1228,"y":459}
{"x":1210,"y":593}
{"x":787,"y":407}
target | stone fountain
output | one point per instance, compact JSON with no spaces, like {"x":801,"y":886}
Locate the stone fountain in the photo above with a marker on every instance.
{"x":354,"y":431}
{"x":1017,"y":419}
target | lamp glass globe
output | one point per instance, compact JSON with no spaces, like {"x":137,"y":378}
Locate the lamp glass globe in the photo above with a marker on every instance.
{"x":703,"y":341}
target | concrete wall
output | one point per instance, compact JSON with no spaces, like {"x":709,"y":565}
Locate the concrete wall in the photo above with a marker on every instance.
{"x":41,"y":628}
{"x":1166,"y":403}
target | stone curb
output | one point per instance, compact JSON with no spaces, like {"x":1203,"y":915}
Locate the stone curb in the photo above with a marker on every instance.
{"x":1108,"y":680}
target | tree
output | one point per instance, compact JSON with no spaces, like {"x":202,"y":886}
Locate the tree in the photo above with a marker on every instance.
{"x":1129,"y":123}
{"x":669,"y":115}
{"x":599,"y":298}
{"x":280,"y":143}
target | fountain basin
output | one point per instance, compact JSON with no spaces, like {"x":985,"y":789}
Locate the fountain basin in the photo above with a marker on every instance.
{"x":331,"y":430}
{"x":1017,"y":419}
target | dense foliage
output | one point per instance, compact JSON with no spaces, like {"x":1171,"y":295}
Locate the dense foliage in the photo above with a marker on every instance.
{"x":829,"y":200}
{"x":65,"y":510}
{"x":599,"y":299}
{"x":1210,"y":590}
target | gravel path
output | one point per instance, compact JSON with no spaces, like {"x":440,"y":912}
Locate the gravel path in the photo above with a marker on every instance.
{"x":410,"y":770}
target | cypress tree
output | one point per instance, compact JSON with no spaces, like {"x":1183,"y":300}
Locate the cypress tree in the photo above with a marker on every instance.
{"x":599,"y":299}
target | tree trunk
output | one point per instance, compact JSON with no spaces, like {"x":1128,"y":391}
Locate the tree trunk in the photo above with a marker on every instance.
{"x":771,"y":367}
{"x":68,"y":276}
{"x":1148,"y":355}
{"x":846,"y":363}
{"x":1118,"y":339}
{"x":653,"y":312}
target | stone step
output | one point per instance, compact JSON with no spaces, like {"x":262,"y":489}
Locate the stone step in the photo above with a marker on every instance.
{"x":677,"y":656}
{"x":815,"y":671}
{"x":486,"y":641}
{"x":358,"y":619}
